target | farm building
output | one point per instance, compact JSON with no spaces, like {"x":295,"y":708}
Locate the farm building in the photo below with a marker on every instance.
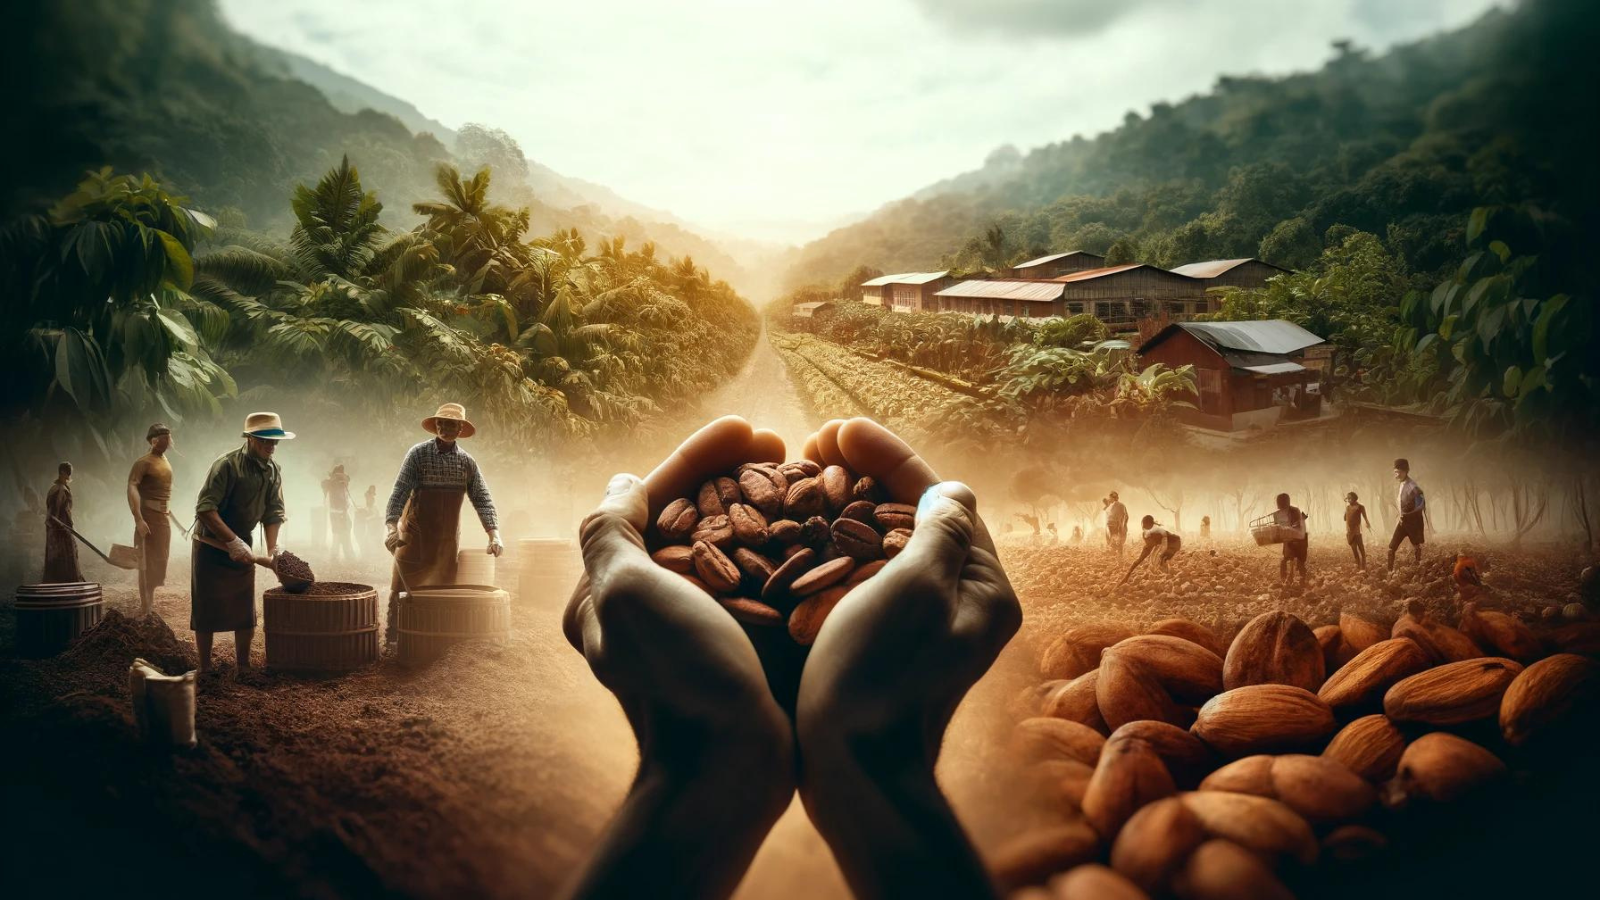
{"x":1121,"y":295}
{"x":1056,"y":264}
{"x":981,"y":297}
{"x":805,"y":316}
{"x":1250,"y":374}
{"x":906,"y":292}
{"x":1239,"y":273}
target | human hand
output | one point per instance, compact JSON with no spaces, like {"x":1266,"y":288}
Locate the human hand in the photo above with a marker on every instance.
{"x":716,"y":749}
{"x":391,"y":537}
{"x":141,"y":529}
{"x":239,"y":551}
{"x":888,"y":668}
{"x":495,"y":546}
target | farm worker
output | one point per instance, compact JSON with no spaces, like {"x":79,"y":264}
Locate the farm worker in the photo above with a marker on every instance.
{"x":424,"y":513}
{"x":1116,"y":523}
{"x":1354,"y":515}
{"x":1077,"y":534}
{"x":1205,"y":528}
{"x":243,"y":489}
{"x":1294,"y":550}
{"x":60,"y":548}
{"x":149,"y":491}
{"x":336,"y":496}
{"x":1155,"y":535}
{"x":1411,"y":504}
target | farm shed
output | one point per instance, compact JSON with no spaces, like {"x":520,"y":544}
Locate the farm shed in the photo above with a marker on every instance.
{"x":1122,"y":295}
{"x":1057,"y":264}
{"x":805,"y":316}
{"x":1250,"y":374}
{"x":1239,"y":273}
{"x":905,"y":292}
{"x":981,"y":297}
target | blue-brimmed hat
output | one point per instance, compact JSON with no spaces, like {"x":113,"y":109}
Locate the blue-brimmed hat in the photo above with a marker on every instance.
{"x":266,"y":425}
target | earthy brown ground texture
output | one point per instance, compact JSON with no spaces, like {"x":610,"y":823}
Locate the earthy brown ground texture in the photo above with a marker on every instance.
{"x":490,"y":773}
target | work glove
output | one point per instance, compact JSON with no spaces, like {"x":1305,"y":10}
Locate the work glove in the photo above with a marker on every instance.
{"x":391,"y":539}
{"x":239,"y":551}
{"x":495,"y":546}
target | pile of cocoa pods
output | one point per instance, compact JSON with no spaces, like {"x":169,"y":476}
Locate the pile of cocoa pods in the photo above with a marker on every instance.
{"x":781,"y":543}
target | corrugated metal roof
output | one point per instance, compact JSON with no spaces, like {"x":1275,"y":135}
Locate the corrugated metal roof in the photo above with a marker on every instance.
{"x":1005,"y":290}
{"x":905,"y":278}
{"x":1211,"y":268}
{"x":1260,"y":363}
{"x":1053,"y":257}
{"x":811,"y":306}
{"x":1275,"y":368}
{"x":1270,"y":336}
{"x":1089,"y":274}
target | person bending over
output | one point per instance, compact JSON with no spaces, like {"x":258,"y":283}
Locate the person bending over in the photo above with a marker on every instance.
{"x":1156,"y":536}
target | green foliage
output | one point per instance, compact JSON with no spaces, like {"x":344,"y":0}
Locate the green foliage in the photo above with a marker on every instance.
{"x":1072,"y":331}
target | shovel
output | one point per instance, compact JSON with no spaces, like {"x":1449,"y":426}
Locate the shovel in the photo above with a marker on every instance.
{"x":292,"y":585}
{"x":122,"y":556}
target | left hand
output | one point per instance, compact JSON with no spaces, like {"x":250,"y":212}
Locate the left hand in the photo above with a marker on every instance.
{"x":495,"y":546}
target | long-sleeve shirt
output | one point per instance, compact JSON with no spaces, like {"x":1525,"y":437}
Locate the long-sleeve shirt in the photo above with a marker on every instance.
{"x":1410,"y":497}
{"x":245,"y":490}
{"x":441,"y":464}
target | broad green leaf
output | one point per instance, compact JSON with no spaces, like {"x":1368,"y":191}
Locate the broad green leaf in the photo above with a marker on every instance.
{"x":1541,"y":327}
{"x":180,"y":266}
{"x":1511,"y":381}
{"x":1499,"y":248}
{"x":1476,"y":223}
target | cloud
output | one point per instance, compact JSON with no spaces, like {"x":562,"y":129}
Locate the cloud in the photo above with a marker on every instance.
{"x":1031,"y":18}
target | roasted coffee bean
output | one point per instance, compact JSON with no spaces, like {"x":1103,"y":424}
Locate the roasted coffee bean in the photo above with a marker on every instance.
{"x":804,"y":500}
{"x":807,"y":618}
{"x":823,"y":576}
{"x":866,"y":488}
{"x":716,"y":530}
{"x":751,"y":612}
{"x":764,"y":489}
{"x":815,"y":532}
{"x":728,"y":491}
{"x":678,"y":558}
{"x":800,"y":468}
{"x":894,"y":542}
{"x":784,"y":531}
{"x":796,"y":565}
{"x":895,"y":515}
{"x":715,"y":568}
{"x":677,"y":521}
{"x":709,"y":501}
{"x":864,"y":571}
{"x":861,"y":511}
{"x":749,"y":525}
{"x":857,"y":539}
{"x":836,"y":487}
{"x":793,"y":549}
{"x":755,"y":567}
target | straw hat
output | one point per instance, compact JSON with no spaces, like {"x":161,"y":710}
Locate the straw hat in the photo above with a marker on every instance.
{"x":453,"y":411}
{"x":266,"y":425}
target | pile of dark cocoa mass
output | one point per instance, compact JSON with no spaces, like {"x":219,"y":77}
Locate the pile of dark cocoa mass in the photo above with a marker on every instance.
{"x":292,"y":569}
{"x":781,"y":543}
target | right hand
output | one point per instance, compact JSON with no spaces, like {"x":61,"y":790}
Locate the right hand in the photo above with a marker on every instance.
{"x":391,"y":539}
{"x":141,"y":529}
{"x":239,"y":551}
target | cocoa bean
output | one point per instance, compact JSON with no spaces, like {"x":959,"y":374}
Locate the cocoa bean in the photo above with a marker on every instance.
{"x":716,"y":530}
{"x":749,"y":525}
{"x":784,"y":531}
{"x":751,"y":612}
{"x":895,"y":515}
{"x":804,"y":499}
{"x":764,"y":489}
{"x":715,"y":568}
{"x":861,"y":511}
{"x":894,"y":542}
{"x":783,"y":577}
{"x":807,"y":618}
{"x":857,"y":540}
{"x":825,"y":575}
{"x":755,"y":567}
{"x":836,"y":488}
{"x":864,"y":571}
{"x":676,"y":558}
{"x":815,"y":531}
{"x":678,"y":520}
{"x":800,"y":468}
{"x":709,"y":500}
{"x":866,"y":488}
{"x":728,"y":491}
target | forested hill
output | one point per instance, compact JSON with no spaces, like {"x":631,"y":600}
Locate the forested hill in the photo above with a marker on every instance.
{"x":1402,"y":144}
{"x":167,"y":87}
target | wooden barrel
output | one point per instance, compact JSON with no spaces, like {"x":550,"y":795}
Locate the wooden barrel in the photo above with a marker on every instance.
{"x":547,"y":570}
{"x":474,"y":567}
{"x":331,"y":627}
{"x":435,"y":618}
{"x":51,"y":616}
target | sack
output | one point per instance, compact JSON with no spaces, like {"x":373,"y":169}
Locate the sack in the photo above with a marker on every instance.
{"x":163,"y":705}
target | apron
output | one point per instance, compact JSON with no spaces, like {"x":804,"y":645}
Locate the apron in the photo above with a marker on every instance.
{"x":222,"y":593}
{"x":155,"y":547}
{"x":430,"y":525}
{"x":60,"y":547}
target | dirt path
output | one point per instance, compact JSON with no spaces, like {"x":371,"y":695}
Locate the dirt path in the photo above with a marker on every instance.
{"x":764,"y":393}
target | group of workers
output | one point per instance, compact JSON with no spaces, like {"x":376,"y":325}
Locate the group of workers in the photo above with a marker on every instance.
{"x":243,"y":492}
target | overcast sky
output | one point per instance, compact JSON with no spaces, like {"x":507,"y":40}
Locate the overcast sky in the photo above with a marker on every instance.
{"x":778,"y":118}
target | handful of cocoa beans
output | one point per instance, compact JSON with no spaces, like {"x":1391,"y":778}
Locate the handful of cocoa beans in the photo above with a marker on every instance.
{"x":781,"y":543}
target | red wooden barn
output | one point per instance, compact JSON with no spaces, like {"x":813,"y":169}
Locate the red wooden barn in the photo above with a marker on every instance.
{"x":1250,"y":374}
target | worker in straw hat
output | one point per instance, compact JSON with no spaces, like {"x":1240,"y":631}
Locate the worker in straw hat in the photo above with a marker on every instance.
{"x":424,"y":512}
{"x":244,"y":489}
{"x":149,"y":491}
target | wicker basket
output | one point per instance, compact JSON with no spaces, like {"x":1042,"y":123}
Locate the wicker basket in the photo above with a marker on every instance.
{"x":1267,"y":532}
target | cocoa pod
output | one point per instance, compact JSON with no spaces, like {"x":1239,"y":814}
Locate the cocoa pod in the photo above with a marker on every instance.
{"x":677,"y":520}
{"x":1188,"y":671}
{"x":1263,"y":718}
{"x":1362,"y":681}
{"x":1274,"y":648}
{"x":806,"y":619}
{"x":1259,"y":824}
{"x":1553,"y":697}
{"x":1321,"y":790}
{"x":676,"y":558}
{"x":835,"y":484}
{"x":1501,"y":634}
{"x":1076,"y":700}
{"x":895,"y":515}
{"x":825,"y":575}
{"x":1223,"y":870}
{"x":1154,"y":843}
{"x":709,"y":500}
{"x":1249,"y":775}
{"x":1440,"y":767}
{"x":764,"y":489}
{"x":1190,"y":631}
{"x":1031,"y":858}
{"x":1353,"y":844}
{"x":751,"y":612}
{"x":1129,"y":775}
{"x":857,"y":540}
{"x":1093,"y":881}
{"x":1185,"y":756}
{"x":1047,"y":737}
{"x":804,"y":499}
{"x":1127,"y":690}
{"x":894,"y":542}
{"x":717,"y":531}
{"x":715,"y":568}
{"x":749,"y":525}
{"x":1369,"y":746}
{"x":1361,"y":632}
{"x":1452,"y":693}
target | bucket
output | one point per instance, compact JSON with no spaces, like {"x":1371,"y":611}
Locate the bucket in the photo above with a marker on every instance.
{"x":548,"y":569}
{"x":474,"y":567}
{"x":330,"y":627}
{"x":51,"y":616}
{"x":434,"y":618}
